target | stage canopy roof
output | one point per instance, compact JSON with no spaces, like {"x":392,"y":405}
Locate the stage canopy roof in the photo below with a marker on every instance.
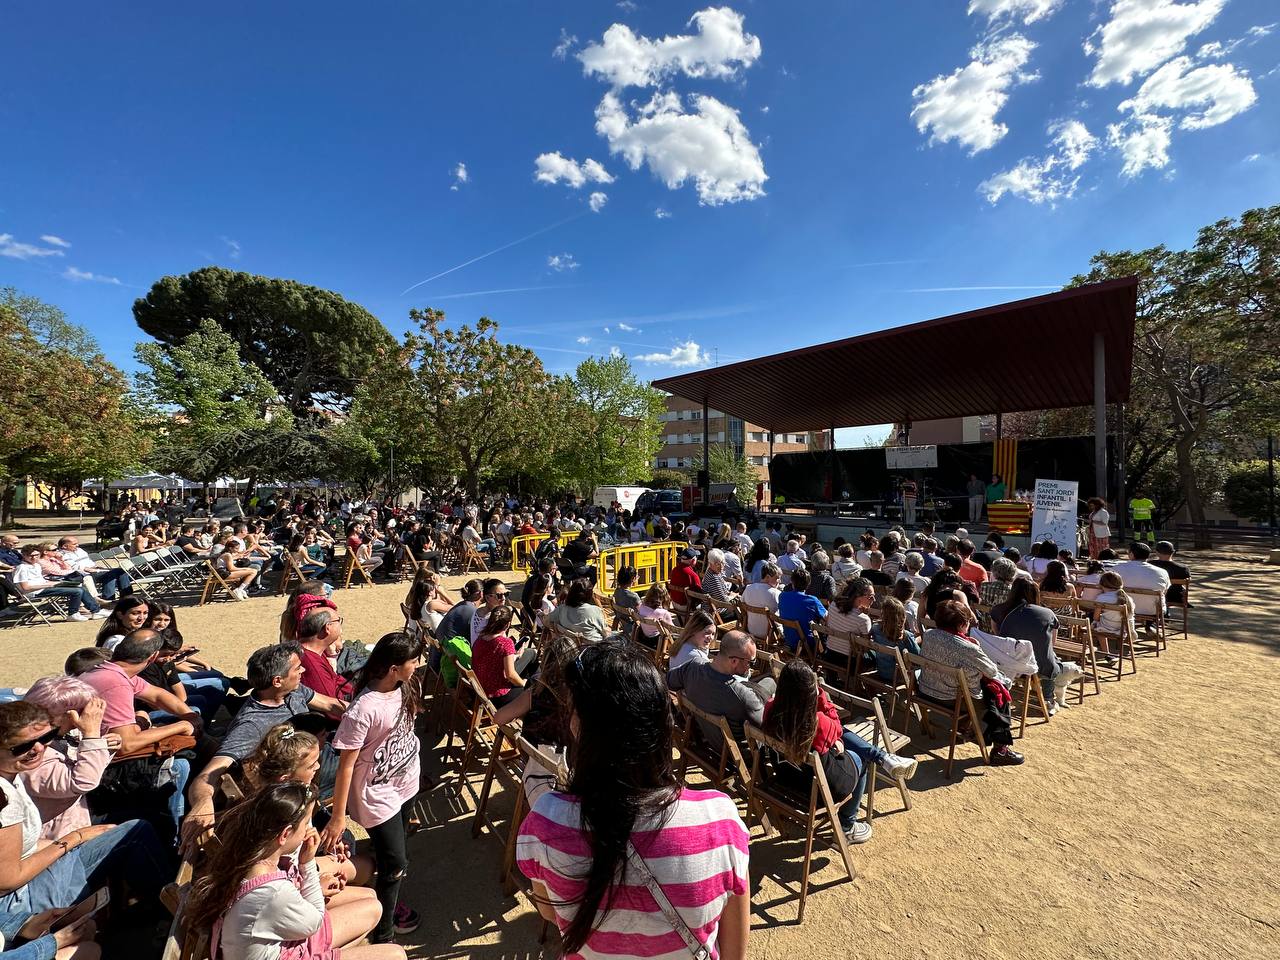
{"x":1035,"y":354}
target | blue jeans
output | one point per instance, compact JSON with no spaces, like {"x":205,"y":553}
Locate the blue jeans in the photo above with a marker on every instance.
{"x":111,"y":582}
{"x":45,"y":948}
{"x":210,"y":685}
{"x":487,"y":545}
{"x":865,"y":755}
{"x":75,"y":596}
{"x":131,"y":851}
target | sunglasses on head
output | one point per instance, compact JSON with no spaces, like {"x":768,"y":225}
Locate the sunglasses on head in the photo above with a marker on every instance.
{"x":24,"y":748}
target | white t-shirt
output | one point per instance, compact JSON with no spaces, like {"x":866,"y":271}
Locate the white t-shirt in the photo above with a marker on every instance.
{"x":76,"y":558}
{"x":844,"y":570}
{"x":855,"y":622}
{"x":30,"y":573}
{"x":760,"y":595}
{"x":1101,"y":523}
{"x":686,"y":653}
{"x":1144,"y":576}
{"x":20,"y":808}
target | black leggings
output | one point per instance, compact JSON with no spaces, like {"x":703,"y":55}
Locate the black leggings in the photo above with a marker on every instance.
{"x":392,"y":859}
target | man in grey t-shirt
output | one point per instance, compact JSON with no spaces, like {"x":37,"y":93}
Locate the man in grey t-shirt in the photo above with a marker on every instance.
{"x":721,"y":687}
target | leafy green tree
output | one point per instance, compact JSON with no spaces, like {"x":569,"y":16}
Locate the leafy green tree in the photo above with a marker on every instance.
{"x":212,"y":406}
{"x":312,"y":345}
{"x":67,"y":415}
{"x":612,"y":425}
{"x":459,"y":403}
{"x":1246,"y":491}
{"x":665,"y":479}
{"x":728,"y":466}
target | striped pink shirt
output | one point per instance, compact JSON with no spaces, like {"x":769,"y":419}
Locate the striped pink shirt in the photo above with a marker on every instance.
{"x":699,"y":857}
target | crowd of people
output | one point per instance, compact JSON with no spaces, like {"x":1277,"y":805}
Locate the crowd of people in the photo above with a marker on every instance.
{"x":144,"y":752}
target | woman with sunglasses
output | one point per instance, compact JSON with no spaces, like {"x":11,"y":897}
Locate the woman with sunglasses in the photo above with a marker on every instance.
{"x":251,"y":905}
{"x":625,"y":807}
{"x":61,"y":873}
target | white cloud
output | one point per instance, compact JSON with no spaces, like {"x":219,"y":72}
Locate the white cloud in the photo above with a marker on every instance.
{"x":597,"y":200}
{"x":233,"y":248}
{"x":1253,"y":158}
{"x":584,"y":340}
{"x":1049,"y":178}
{"x":561,"y":262}
{"x":719,"y":48}
{"x":567,"y":41}
{"x":662,"y":214}
{"x":712,"y":146}
{"x":553,"y":168}
{"x":1142,"y":34}
{"x":53,"y":241}
{"x":1028,"y":11}
{"x":627,"y":327}
{"x":1143,"y":142}
{"x":1209,"y":95}
{"x":460,"y":175}
{"x":1217,"y":49}
{"x":687,"y":354}
{"x":9,"y":247}
{"x":627,"y":6}
{"x":962,"y":106}
{"x":606,"y":331}
{"x":614,"y":352}
{"x":71,"y":273}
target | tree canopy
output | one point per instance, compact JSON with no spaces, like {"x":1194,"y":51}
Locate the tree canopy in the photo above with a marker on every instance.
{"x":313,"y":346}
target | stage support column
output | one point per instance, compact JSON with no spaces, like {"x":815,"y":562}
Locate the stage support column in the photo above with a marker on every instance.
{"x":1121,"y":511}
{"x":1100,"y":417}
{"x":706,"y":454}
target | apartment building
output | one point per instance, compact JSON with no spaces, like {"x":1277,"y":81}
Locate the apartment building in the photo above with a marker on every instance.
{"x":683,"y":428}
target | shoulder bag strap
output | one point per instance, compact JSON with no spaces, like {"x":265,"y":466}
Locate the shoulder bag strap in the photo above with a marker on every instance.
{"x":697,"y":950}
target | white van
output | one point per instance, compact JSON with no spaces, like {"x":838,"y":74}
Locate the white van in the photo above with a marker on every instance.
{"x":627,"y":496}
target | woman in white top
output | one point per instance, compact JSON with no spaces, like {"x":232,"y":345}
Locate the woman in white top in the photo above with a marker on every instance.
{"x":1099,"y":527}
{"x":1042,"y":554}
{"x":260,"y":895}
{"x":845,"y":568}
{"x":695,"y":640}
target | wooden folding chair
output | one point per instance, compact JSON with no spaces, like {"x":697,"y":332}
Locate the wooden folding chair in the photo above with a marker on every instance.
{"x":960,"y":707}
{"x":662,"y":642}
{"x":183,"y":941}
{"x":215,"y":584}
{"x":352,"y":569}
{"x":1025,"y":685}
{"x":558,"y":770}
{"x":1153,"y":620}
{"x":829,"y":664}
{"x":771,"y":638}
{"x":1074,"y":641}
{"x":289,"y":572}
{"x":1126,"y":638}
{"x":877,"y":732}
{"x":725,"y":767}
{"x":871,"y":681}
{"x":805,"y":651}
{"x":775,"y":796}
{"x":472,"y":559}
{"x":505,"y":762}
{"x":1183,"y":621}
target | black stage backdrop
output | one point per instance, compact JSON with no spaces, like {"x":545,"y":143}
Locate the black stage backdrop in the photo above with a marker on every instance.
{"x":823,"y":476}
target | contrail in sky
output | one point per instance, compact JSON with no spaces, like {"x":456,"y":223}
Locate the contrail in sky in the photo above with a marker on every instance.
{"x":505,"y":246}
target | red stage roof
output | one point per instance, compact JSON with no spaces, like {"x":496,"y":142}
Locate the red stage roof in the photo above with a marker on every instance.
{"x":1034,"y":354}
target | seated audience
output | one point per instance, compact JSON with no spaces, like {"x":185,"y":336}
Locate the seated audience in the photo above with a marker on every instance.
{"x":1028,"y":620}
{"x":845,"y":567}
{"x":683,"y":577}
{"x":821,"y":584}
{"x":1139,"y":573}
{"x":29,"y":580}
{"x":892,"y":631}
{"x":493,"y":659}
{"x":623,"y":595}
{"x":714,"y":584}
{"x":1176,"y":571}
{"x":904,"y":591}
{"x":802,"y":609}
{"x":579,"y":613}
{"x":1056,"y":583}
{"x":722,"y":687}
{"x":762,"y":593}
{"x":872,"y":572}
{"x":656,"y":605}
{"x":970,"y":570}
{"x":1111,"y":623}
{"x":848,"y":615}
{"x":996,"y":590}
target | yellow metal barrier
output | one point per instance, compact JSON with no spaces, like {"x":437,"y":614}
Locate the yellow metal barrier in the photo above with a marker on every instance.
{"x":653,"y":562}
{"x":522,"y":549}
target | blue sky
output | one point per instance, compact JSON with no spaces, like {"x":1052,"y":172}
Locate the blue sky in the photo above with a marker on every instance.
{"x":773,"y":175}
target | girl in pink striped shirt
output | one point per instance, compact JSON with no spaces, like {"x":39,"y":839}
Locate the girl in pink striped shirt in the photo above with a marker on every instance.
{"x":624,"y":804}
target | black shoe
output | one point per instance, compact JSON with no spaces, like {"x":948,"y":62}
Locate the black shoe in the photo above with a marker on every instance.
{"x":1006,"y":757}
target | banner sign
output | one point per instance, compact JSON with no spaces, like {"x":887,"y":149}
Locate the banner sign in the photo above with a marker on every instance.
{"x":1053,"y":515}
{"x":911,"y":458}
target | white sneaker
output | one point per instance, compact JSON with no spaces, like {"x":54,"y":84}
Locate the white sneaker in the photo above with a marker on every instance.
{"x":240,"y":594}
{"x":101,"y":615}
{"x":78,"y":617}
{"x":899,"y":768}
{"x":859,"y":833}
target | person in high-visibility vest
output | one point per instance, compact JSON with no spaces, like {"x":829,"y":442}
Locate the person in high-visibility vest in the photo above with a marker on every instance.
{"x":1141,"y":509}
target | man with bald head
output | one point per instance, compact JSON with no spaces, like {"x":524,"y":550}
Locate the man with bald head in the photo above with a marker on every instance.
{"x":721,"y":686}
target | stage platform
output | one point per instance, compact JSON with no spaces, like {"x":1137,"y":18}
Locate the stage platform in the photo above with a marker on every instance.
{"x":825,"y":522}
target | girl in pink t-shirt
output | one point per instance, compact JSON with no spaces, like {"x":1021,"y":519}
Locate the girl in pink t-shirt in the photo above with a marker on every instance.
{"x":378,"y":770}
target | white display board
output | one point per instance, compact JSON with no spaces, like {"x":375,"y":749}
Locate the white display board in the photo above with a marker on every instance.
{"x":911,"y":458}
{"x":1053,"y":512}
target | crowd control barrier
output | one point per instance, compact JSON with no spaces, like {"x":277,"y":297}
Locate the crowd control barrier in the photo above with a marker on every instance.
{"x":522,"y":549}
{"x":653,"y":562}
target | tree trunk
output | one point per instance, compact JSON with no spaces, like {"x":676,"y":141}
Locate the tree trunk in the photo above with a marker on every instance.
{"x":1191,"y":490}
{"x":6,"y":505}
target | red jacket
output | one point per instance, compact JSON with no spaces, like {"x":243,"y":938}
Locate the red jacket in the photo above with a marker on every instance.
{"x":682,"y":578}
{"x":830,"y":729}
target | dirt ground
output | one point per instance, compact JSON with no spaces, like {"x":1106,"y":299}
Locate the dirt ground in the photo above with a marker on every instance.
{"x":1144,"y":822}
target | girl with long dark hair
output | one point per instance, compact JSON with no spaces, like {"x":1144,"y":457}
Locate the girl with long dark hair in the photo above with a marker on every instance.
{"x":254,"y":909}
{"x":802,"y":716}
{"x":754,"y":563}
{"x":378,"y":770}
{"x":129,"y":614}
{"x":625,"y":821}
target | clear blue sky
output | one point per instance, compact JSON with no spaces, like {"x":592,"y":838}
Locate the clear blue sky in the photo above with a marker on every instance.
{"x":858,"y":165}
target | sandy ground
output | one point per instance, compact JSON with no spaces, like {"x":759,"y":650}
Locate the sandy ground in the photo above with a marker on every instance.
{"x":1143,"y":823}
